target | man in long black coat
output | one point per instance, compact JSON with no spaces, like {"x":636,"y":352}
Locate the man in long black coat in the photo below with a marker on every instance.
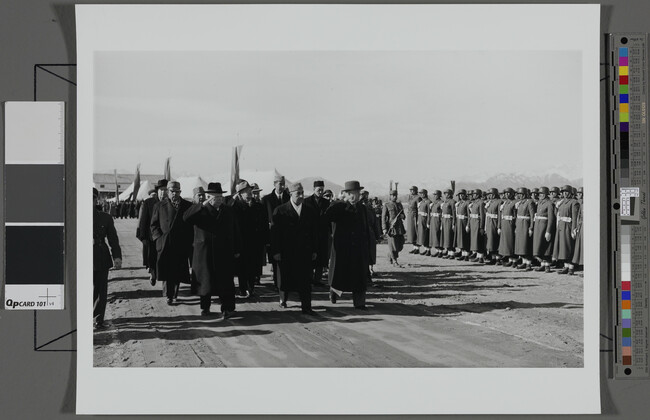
{"x":350,"y":258}
{"x":319,"y":204}
{"x":278,"y":196}
{"x":294,"y":243}
{"x":103,"y":259}
{"x":173,"y":238}
{"x":143,"y":232}
{"x":216,"y":248}
{"x":254,"y":232}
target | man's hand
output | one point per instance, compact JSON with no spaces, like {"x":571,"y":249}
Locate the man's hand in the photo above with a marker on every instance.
{"x":466,"y":228}
{"x":547,"y":236}
{"x":117,"y":263}
{"x":530,"y":232}
{"x":313,"y":256}
{"x":276,"y":257}
{"x":573,"y":234}
{"x":499,"y":231}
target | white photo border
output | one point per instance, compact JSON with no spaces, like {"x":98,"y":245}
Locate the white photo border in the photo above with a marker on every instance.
{"x":340,"y":28}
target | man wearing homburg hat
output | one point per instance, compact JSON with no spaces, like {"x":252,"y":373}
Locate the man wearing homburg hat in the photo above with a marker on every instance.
{"x":350,"y":259}
{"x":256,"y":190}
{"x":217,"y":244}
{"x":412,"y":219}
{"x":319,"y":204}
{"x":254,"y":230}
{"x":294,"y":245}
{"x":278,"y":196}
{"x":103,"y":259}
{"x":174,"y":239}
{"x":143,"y":232}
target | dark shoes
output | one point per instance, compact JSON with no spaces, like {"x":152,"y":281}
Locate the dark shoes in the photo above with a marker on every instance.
{"x":228,"y":314}
{"x":152,"y":279}
{"x":540,"y":268}
{"x":99,"y":326}
{"x":205,"y":312}
{"x":427,"y":253}
{"x":283,"y":304}
{"x":361,"y":307}
{"x":565,"y":270}
{"x":170,"y":301}
{"x":333,"y":297}
{"x":310,"y":312}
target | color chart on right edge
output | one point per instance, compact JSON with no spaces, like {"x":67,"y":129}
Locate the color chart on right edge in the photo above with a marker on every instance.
{"x":629,"y":143}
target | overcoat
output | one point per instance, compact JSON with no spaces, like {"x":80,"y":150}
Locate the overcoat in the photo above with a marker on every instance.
{"x":412,"y":219}
{"x":423,"y":228}
{"x":270,"y":202}
{"x":173,"y":238}
{"x":143,"y":232}
{"x":525,"y":209}
{"x":544,"y":222}
{"x":492,"y":224}
{"x":319,"y":205}
{"x":462,"y":219}
{"x":393,"y":212}
{"x":578,"y":257}
{"x":350,"y":256}
{"x":507,"y":216}
{"x":216,"y":241}
{"x":476,"y":225}
{"x":434,"y":222}
{"x":295,"y":238}
{"x":567,"y":221}
{"x":254,"y":233}
{"x":448,"y":214}
{"x":374,"y":232}
{"x":103,"y":229}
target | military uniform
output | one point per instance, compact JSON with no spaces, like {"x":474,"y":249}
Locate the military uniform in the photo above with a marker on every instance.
{"x":412,"y":219}
{"x":462,"y":220}
{"x":434,"y":222}
{"x":507,"y":216}
{"x":103,"y":229}
{"x":392,"y":217}
{"x":525,"y":210}
{"x":492,"y":225}
{"x":567,"y":221}
{"x":423,"y":228}
{"x":544,"y":222}
{"x":477,"y":226}
{"x":578,"y":253}
{"x":448,"y":215}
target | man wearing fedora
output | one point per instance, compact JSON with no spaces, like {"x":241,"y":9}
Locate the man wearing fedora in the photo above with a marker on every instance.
{"x":278,"y":196}
{"x":319,"y":204}
{"x":412,"y":219}
{"x":103,"y":258}
{"x":216,"y":247}
{"x":256,"y":190}
{"x":254,"y":232}
{"x":174,"y":239}
{"x":294,"y":245}
{"x":350,"y":258}
{"x":143,"y":232}
{"x":567,"y":225}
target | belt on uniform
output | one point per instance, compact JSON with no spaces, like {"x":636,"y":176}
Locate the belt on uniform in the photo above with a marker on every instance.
{"x":492,"y":215}
{"x":435,"y":215}
{"x":422,"y":213}
{"x":508,"y":217}
{"x":447,"y":216}
{"x":473,"y":216}
{"x":461,"y":216}
{"x":564,"y":219}
{"x":541,"y":217}
{"x":523,"y":217}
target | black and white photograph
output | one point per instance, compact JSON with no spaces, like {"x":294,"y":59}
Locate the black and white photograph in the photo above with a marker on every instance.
{"x":339,"y":208}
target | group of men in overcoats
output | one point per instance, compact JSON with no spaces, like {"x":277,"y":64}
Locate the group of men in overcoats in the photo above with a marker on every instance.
{"x":541,"y":227}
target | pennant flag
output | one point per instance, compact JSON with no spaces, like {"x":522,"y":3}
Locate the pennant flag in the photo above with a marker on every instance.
{"x":136,"y":183}
{"x":117,"y":187}
{"x":453,"y":186}
{"x":234,"y":172}
{"x":168,"y":170}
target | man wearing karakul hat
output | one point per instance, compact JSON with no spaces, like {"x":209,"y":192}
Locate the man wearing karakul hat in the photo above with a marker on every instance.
{"x":349,"y":261}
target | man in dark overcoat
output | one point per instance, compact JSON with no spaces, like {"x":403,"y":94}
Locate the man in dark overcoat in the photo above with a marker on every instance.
{"x":216,"y":247}
{"x":374,"y":234}
{"x":294,"y":244}
{"x":319,"y":204}
{"x":278,"y":196}
{"x":256,"y":190}
{"x":392,"y":224}
{"x":350,"y":256}
{"x":143,"y":232}
{"x":492,"y":226}
{"x":103,"y":258}
{"x":433,"y":223}
{"x":173,"y":237}
{"x":544,"y":230}
{"x":412,"y":219}
{"x":254,"y":232}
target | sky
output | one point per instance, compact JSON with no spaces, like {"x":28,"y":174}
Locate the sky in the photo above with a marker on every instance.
{"x":372,"y":116}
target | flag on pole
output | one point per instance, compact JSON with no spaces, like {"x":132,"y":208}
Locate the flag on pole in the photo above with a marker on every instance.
{"x":117,"y":187}
{"x":453,"y":187}
{"x":168,"y":170}
{"x":136,"y":183}
{"x":234,"y":171}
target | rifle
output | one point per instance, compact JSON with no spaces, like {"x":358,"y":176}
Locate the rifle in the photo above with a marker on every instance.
{"x":392,"y":224}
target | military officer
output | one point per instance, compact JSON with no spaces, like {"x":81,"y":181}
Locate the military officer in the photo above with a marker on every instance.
{"x":423,"y":229}
{"x":392,"y":216}
{"x":578,"y":258}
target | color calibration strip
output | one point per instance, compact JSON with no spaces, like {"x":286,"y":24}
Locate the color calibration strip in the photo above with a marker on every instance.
{"x":626,"y":296}
{"x":34,"y":203}
{"x":624,"y":108}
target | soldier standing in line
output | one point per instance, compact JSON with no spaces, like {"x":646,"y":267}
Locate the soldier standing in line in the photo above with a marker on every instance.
{"x":434,"y":223}
{"x":143,"y":232}
{"x":492,"y":225}
{"x":534,"y":195}
{"x":525,"y":210}
{"x":477,"y":226}
{"x":412,"y":219}
{"x":448,"y":214}
{"x":578,"y":257}
{"x":507,"y":214}
{"x":462,"y":231}
{"x":319,"y":204}
{"x":423,"y":229}
{"x":278,"y":196}
{"x":216,"y":248}
{"x":103,"y":259}
{"x":544,"y":230}
{"x":392,"y":216}
{"x":567,"y":227}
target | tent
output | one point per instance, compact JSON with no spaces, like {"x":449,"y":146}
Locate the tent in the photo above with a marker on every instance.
{"x":143,"y":192}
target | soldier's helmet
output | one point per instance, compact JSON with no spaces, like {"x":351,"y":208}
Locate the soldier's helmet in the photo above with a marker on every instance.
{"x":568,"y":188}
{"x":449,"y":191}
{"x":437,"y":192}
{"x":555,"y":190}
{"x":493,"y":191}
{"x":543,"y":190}
{"x":477,"y":192}
{"x":508,"y":190}
{"x":521,"y":190}
{"x":461,"y":191}
{"x":581,"y":190}
{"x":535,"y":191}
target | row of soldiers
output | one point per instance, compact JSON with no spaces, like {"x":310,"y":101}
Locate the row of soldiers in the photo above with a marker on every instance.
{"x":127,"y":209}
{"x":524,"y":228}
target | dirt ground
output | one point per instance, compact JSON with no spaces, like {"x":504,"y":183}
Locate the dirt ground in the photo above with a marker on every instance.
{"x":430,"y":313}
